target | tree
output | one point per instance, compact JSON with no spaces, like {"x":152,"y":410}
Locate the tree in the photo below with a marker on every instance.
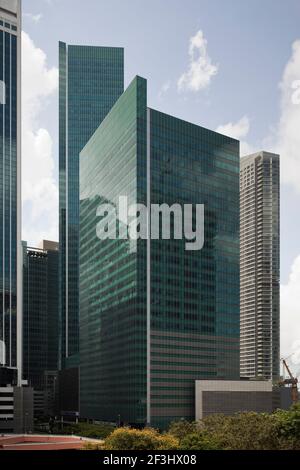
{"x":199,"y":441}
{"x":288,"y":427}
{"x":243,"y":431}
{"x":135,"y":439}
{"x":182,"y":428}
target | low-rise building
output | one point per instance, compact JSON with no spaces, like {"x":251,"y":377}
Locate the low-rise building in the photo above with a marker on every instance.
{"x":232,"y":396}
{"x":16,"y":405}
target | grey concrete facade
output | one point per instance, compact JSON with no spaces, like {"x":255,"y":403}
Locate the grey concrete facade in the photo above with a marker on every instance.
{"x":232,"y":396}
{"x":260,"y":265}
{"x":16,"y":409}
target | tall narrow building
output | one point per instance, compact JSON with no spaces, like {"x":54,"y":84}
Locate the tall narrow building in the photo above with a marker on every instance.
{"x":91,"y":79}
{"x":260,"y":265}
{"x":10,"y":187}
{"x":40,"y":311}
{"x":41,"y":324}
{"x":154,"y":314}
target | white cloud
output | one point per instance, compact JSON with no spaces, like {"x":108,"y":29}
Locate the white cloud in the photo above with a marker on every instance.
{"x":246,"y":148}
{"x":286,"y":140}
{"x":164,"y":89}
{"x":39,"y":186}
{"x":238,"y":130}
{"x":36,"y":18}
{"x":201,"y":69}
{"x":290,"y":317}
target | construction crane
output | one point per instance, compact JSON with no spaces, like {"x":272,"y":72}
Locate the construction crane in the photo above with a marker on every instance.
{"x":292,"y":381}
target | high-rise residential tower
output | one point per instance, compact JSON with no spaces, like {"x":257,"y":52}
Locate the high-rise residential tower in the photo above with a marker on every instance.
{"x":10,"y":187}
{"x":91,"y":79}
{"x":154,"y":315}
{"x":260,"y":265}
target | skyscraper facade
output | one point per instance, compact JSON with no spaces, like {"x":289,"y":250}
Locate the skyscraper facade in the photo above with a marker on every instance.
{"x":40,"y":313}
{"x":90,"y":81}
{"x":154,"y":317}
{"x":260,"y":265}
{"x":10,"y":187}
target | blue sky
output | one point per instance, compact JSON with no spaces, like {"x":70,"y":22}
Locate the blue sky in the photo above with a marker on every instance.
{"x":248,"y":42}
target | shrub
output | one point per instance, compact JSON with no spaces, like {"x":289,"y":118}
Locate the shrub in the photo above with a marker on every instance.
{"x":135,"y":439}
{"x":287,"y":424}
{"x":243,"y":431}
{"x":181,"y":429}
{"x":96,"y":431}
{"x":199,"y":441}
{"x":92,"y":446}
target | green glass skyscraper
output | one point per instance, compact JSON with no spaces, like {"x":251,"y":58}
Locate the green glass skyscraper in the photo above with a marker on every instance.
{"x":10,"y":187}
{"x":90,"y":81}
{"x":154,"y":316}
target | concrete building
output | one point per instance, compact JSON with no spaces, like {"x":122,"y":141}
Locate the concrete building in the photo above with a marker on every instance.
{"x":16,"y":404}
{"x":232,"y":396}
{"x":10,"y":187}
{"x":23,"y":409}
{"x":155,"y":316}
{"x":260,"y":265}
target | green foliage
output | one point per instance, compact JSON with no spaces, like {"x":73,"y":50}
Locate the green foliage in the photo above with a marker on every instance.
{"x":135,"y":439}
{"x":92,"y":446}
{"x":199,"y":441}
{"x":242,"y":431}
{"x":288,"y":427}
{"x":182,"y":428}
{"x":96,"y":431}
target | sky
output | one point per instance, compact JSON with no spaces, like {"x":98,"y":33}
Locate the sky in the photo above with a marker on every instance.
{"x":228,"y":65}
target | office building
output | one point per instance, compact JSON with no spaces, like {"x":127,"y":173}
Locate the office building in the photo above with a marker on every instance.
{"x":10,"y":187}
{"x":154,"y":316}
{"x":16,"y":403}
{"x":41,"y":318}
{"x":17,"y":410}
{"x":260,"y":265}
{"x":90,"y":81}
